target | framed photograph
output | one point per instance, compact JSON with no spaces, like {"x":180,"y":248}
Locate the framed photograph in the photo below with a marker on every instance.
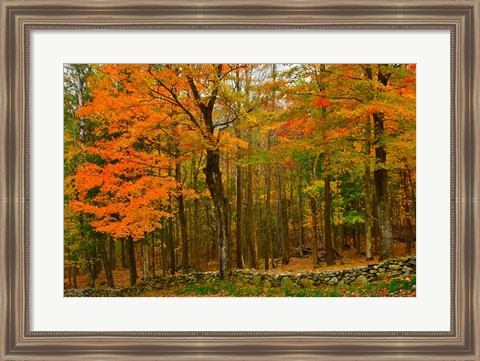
{"x":213,"y":160}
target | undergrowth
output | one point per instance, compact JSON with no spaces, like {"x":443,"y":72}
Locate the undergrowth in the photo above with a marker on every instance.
{"x":403,"y":286}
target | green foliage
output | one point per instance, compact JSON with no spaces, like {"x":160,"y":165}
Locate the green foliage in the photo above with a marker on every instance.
{"x":224,"y":288}
{"x":403,"y":286}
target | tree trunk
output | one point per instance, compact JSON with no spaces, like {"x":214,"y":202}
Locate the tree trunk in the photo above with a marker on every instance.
{"x":327,"y":215}
{"x":368,"y":191}
{"x":75,"y":276}
{"x":357,"y":239}
{"x":111,"y":252}
{"x":293,"y":215}
{"x":408,"y":222}
{"x":300,"y":219}
{"x":381,"y":178}
{"x":282,"y":234}
{"x":239,"y":218}
{"x":375,"y":228}
{"x":250,"y":229}
{"x":268,"y":227}
{"x":171,"y":244}
{"x":228,"y":197}
{"x":209,"y":254}
{"x":321,"y":232}
{"x":239,"y":229}
{"x":212,"y":171}
{"x":182,"y":217}
{"x":131,"y":261}
{"x":196,"y":225}
{"x":313,"y":205}
{"x":163,"y":252}
{"x":409,"y":240}
{"x":91,"y":271}
{"x":97,"y":264}
{"x":146,"y":258}
{"x":268,"y":211}
{"x":106,"y":265}
{"x":69,"y":268}
{"x":80,"y":88}
{"x":196,"y":228}
{"x":286,"y":237}
{"x":214,"y":182}
{"x":153,"y":254}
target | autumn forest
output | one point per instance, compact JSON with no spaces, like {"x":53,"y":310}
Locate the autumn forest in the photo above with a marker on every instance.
{"x":231,"y":173}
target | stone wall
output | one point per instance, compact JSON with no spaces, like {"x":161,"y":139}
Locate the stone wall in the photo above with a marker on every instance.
{"x":391,"y":268}
{"x":355,"y":276}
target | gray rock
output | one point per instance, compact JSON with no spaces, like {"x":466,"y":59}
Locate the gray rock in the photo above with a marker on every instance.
{"x":267,"y":284}
{"x":307,"y":283}
{"x":360,"y":281}
{"x":333,"y":281}
{"x":257,"y":279}
{"x":287,"y":284}
{"x":395,"y":267}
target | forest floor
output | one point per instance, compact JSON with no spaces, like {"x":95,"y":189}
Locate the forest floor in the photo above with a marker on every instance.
{"x":402,"y":286}
{"x":296,"y":265}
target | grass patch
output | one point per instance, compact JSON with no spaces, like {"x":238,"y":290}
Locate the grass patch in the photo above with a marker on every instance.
{"x":219,"y":288}
{"x":403,"y":286}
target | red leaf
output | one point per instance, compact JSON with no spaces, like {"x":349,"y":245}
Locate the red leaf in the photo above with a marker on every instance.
{"x":320,"y":102}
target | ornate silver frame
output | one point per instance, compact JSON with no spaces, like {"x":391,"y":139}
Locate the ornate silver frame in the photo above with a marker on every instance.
{"x":19,"y":17}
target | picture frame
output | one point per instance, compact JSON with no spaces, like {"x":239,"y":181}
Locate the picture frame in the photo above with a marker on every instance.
{"x":18,"y":18}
